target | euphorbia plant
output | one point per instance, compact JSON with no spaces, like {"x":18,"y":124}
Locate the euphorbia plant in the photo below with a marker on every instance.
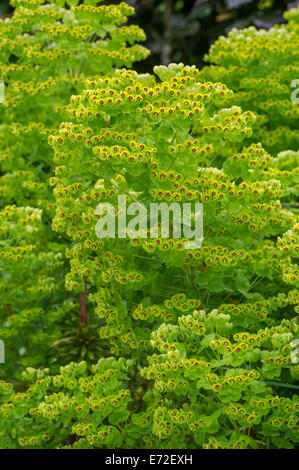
{"x":285,"y":168}
{"x":221,"y":316}
{"x":195,"y":343}
{"x":78,"y":401}
{"x":47,"y":49}
{"x":261,"y":66}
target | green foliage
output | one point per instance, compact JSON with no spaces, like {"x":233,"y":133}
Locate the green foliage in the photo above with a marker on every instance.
{"x":260,"y":66}
{"x":57,"y":410}
{"x":173,"y":141}
{"x":185,"y":348}
{"x":46,"y":51}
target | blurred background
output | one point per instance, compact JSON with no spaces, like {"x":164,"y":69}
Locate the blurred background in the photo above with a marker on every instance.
{"x":183,"y":30}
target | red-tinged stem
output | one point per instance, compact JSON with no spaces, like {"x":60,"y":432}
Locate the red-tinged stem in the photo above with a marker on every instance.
{"x":83,"y":305}
{"x":72,"y":437}
{"x":9,"y":309}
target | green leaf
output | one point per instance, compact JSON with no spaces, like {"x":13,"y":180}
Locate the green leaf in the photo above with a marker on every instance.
{"x":118,"y":416}
{"x":282,"y":443}
{"x":242,"y":283}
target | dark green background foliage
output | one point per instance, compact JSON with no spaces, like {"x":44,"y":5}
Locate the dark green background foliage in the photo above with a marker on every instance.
{"x":183,"y":30}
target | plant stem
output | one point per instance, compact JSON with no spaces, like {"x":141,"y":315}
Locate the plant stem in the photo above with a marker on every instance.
{"x":83,"y":306}
{"x":278,"y":384}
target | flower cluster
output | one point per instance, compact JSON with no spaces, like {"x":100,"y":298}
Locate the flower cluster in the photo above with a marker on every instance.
{"x":260,"y":66}
{"x":70,"y":407}
{"x":47,"y":50}
{"x":128,"y":134}
{"x":153,"y":342}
